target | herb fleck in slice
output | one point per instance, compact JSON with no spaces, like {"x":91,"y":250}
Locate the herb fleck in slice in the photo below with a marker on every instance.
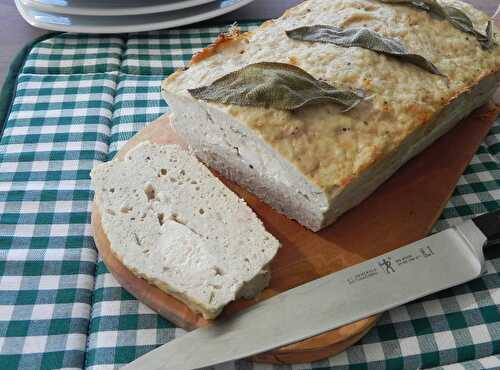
{"x":363,"y":38}
{"x":274,"y":85}
{"x":457,"y":18}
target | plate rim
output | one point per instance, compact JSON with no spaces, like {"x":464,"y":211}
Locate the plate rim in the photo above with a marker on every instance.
{"x":116,"y":29}
{"x":146,"y":9}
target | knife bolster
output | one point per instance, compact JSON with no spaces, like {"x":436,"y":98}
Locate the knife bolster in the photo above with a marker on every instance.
{"x":489,"y":224}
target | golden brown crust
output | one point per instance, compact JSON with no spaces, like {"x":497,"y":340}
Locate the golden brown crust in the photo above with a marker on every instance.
{"x":266,"y":24}
{"x":425,"y":118}
{"x":223,"y":41}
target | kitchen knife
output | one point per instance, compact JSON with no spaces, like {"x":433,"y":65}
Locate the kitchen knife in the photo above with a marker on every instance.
{"x":442,"y":260}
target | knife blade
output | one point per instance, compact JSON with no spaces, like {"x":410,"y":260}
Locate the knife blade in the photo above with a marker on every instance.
{"x":442,"y":260}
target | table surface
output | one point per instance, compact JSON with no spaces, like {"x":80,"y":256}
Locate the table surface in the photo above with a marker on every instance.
{"x":16,"y":32}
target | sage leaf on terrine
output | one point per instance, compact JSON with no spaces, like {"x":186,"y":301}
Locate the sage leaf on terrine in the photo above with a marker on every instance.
{"x":461,"y":21}
{"x":488,"y":42}
{"x":362,"y":38}
{"x":457,"y":18}
{"x":275,"y":85}
{"x":431,"y":6}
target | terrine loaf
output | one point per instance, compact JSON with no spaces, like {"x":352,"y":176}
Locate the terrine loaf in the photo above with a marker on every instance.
{"x":172,"y":222}
{"x":378,"y":82}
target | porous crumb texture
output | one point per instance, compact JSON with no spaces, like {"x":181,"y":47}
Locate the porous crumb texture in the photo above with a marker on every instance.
{"x":327,"y":146}
{"x":171,"y":221}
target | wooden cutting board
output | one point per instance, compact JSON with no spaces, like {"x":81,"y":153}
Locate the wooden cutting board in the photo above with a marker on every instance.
{"x":402,"y":210}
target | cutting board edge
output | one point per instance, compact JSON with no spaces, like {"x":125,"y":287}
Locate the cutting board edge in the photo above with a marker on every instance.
{"x":289,"y":354}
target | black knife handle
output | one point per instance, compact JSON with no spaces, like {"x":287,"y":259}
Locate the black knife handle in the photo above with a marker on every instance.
{"x":489,"y":224}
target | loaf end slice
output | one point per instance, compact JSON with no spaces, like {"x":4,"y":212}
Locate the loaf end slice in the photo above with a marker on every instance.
{"x":172,"y":222}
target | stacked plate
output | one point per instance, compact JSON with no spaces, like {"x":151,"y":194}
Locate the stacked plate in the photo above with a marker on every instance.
{"x":117,"y":16}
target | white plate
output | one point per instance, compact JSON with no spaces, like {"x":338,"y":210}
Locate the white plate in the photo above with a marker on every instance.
{"x":110,"y":7}
{"x":121,"y":24}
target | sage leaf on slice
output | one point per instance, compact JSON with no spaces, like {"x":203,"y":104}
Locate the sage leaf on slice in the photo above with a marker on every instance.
{"x":274,"y":85}
{"x":363,"y":38}
{"x":456,"y":17}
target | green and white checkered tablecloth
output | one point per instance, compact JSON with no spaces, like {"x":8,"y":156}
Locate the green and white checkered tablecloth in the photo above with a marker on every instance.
{"x":77,"y":99}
